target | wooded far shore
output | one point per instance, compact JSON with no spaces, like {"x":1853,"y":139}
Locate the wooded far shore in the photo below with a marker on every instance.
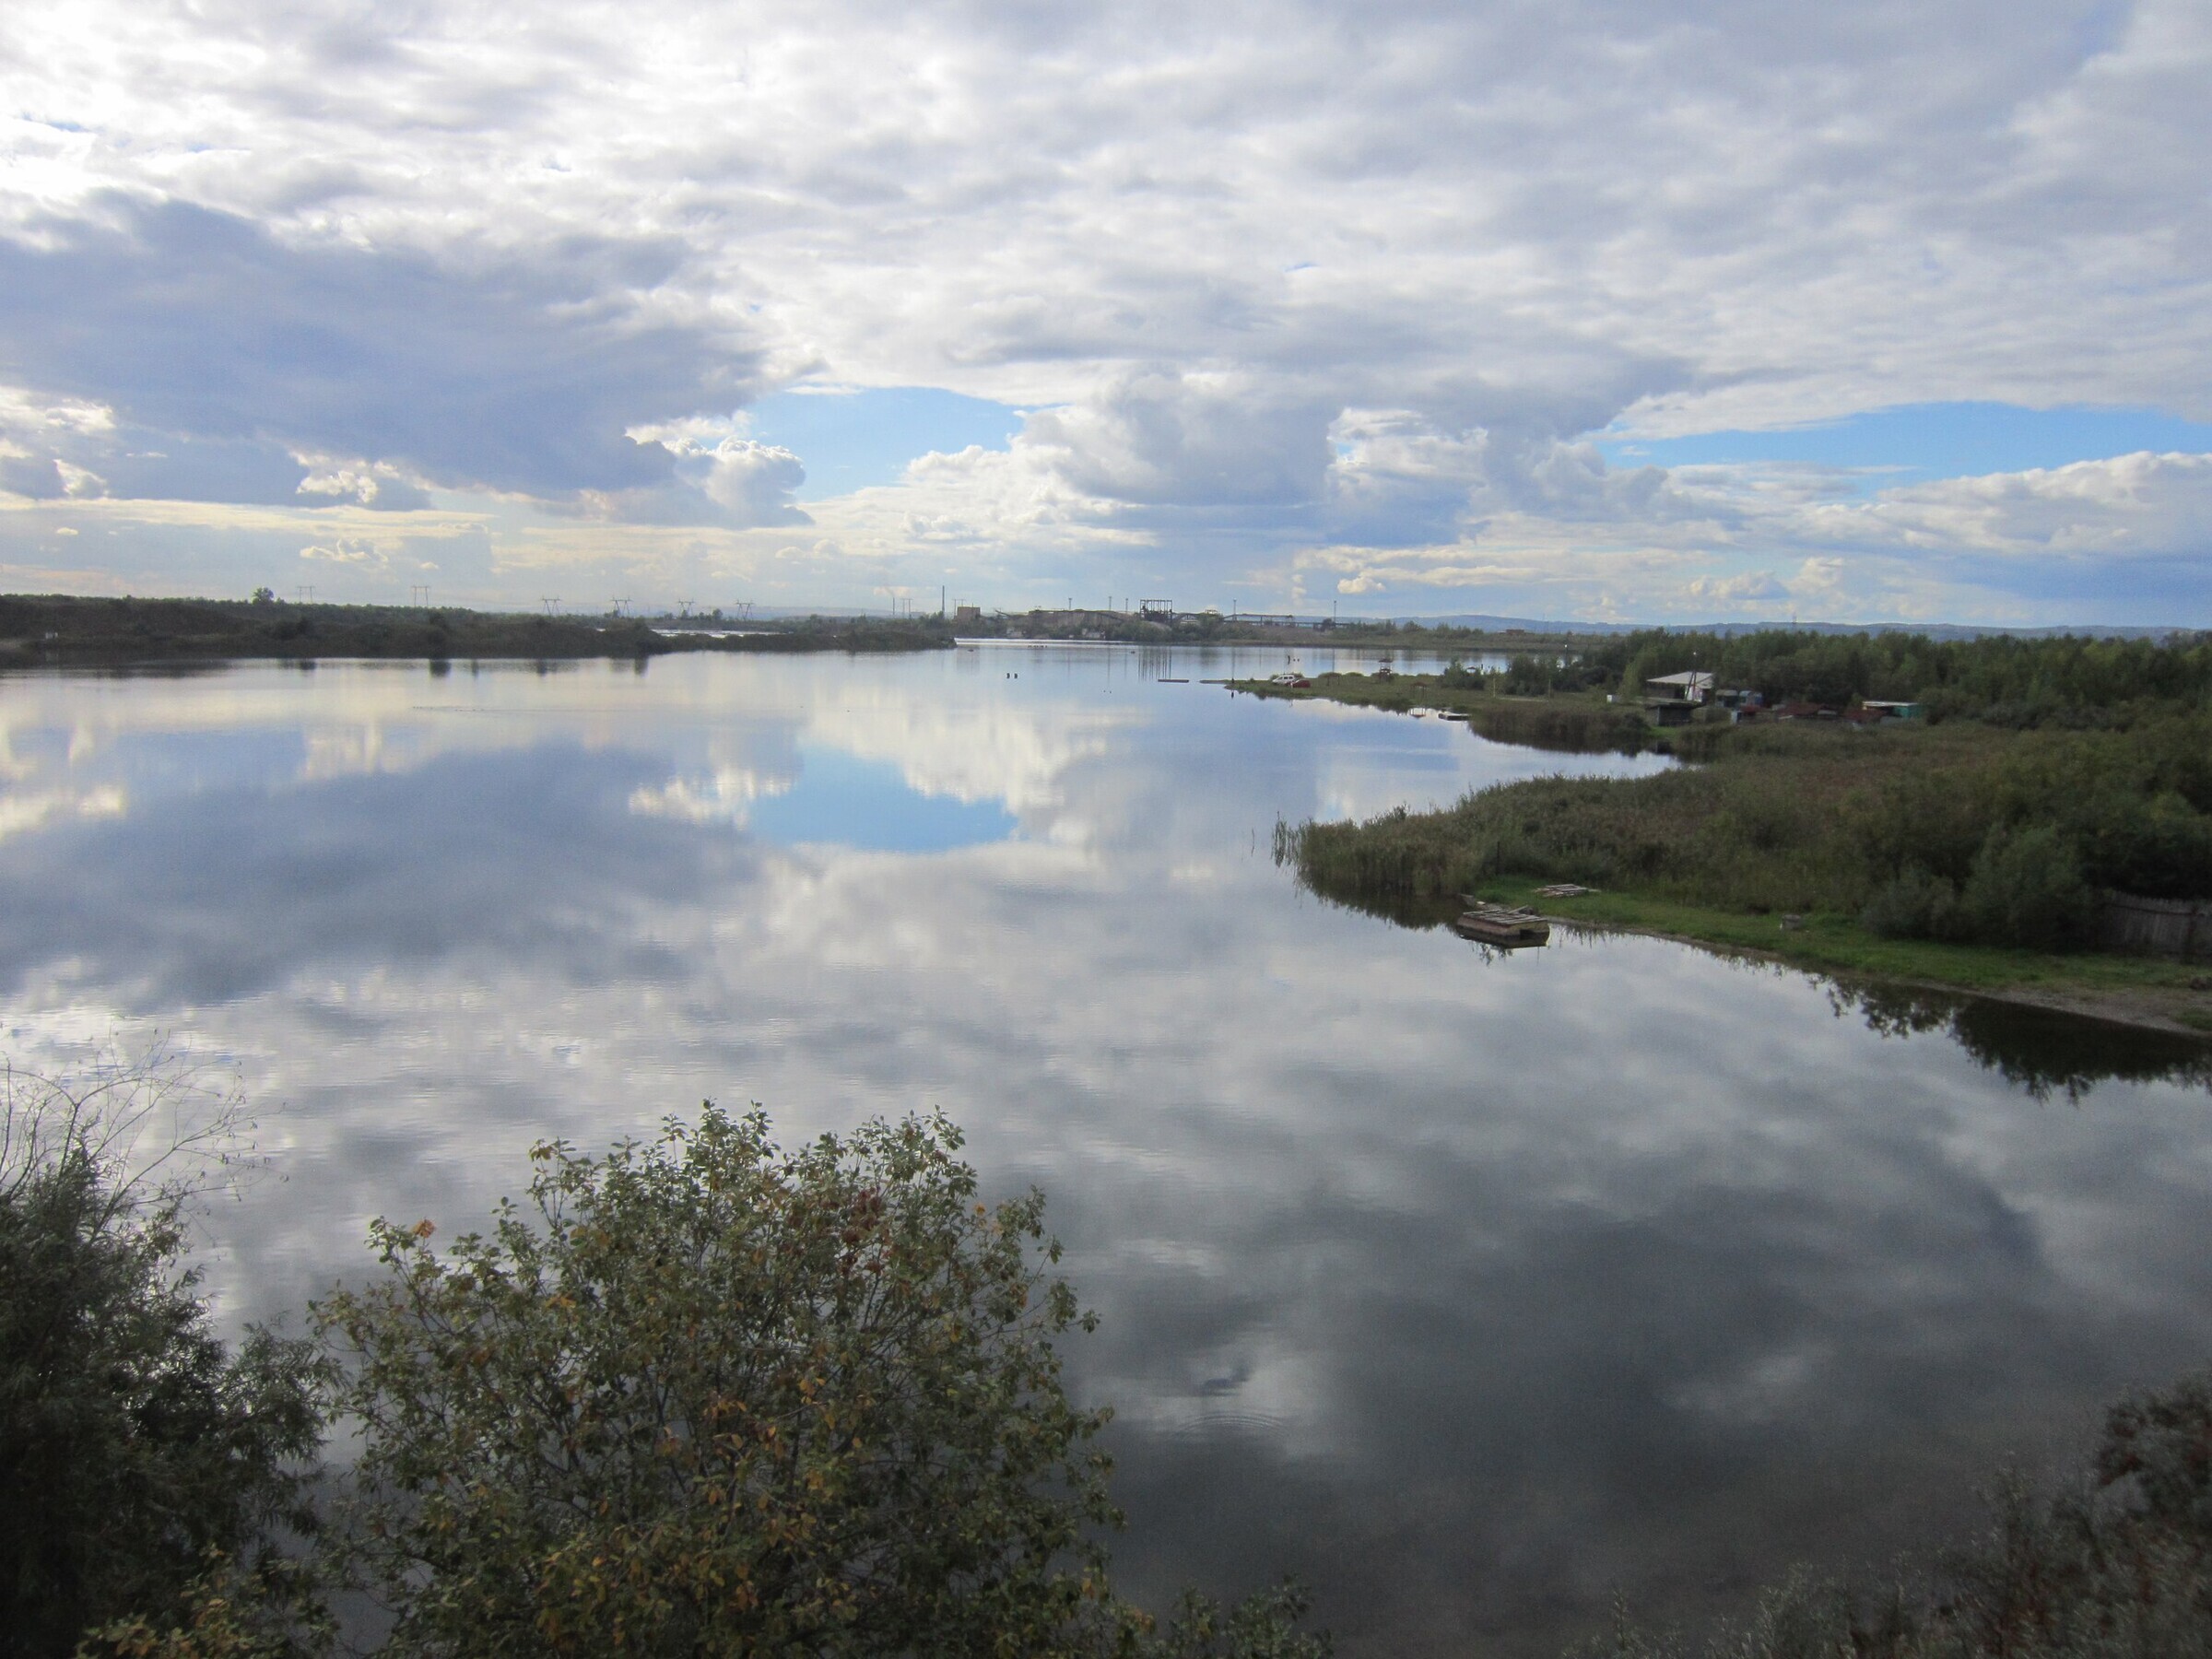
{"x":2016,"y":834}
{"x":60,"y":631}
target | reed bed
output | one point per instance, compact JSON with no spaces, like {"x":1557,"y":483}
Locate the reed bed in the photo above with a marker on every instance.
{"x":1963,"y":831}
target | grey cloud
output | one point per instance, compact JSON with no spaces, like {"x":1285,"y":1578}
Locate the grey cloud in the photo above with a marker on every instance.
{"x":507,"y":374}
{"x":1166,"y":438}
{"x":1217,"y":468}
{"x":733,"y":482}
{"x":1509,"y":224}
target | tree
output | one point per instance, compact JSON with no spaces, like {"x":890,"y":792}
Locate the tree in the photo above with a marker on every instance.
{"x":701,"y":1397}
{"x":131,"y":1441}
{"x":2026,"y":891}
{"x":262,"y":595}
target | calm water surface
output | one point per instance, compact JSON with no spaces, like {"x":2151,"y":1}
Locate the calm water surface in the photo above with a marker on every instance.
{"x":1470,"y":1290}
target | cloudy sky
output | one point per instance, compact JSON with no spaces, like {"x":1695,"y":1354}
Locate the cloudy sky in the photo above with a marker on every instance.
{"x":1662,"y":310}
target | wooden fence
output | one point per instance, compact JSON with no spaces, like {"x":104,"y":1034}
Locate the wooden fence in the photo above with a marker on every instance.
{"x":2173,"y":928}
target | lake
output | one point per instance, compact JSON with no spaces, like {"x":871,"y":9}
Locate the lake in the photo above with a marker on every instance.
{"x":1470,"y":1288}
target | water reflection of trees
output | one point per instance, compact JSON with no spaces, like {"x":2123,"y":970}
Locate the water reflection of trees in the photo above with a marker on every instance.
{"x":2040,"y":1050}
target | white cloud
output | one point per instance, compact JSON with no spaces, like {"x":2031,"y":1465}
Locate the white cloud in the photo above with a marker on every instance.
{"x":349,"y":550}
{"x":1751,"y":588}
{"x":1274,"y":278}
{"x":24,"y":411}
{"x":2132,"y":504}
{"x":378,"y":484}
{"x":78,"y":482}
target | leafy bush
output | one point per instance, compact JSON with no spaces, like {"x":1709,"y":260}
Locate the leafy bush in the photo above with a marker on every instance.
{"x":1529,"y":674}
{"x":1917,"y":905}
{"x":1573,"y":728}
{"x":704,"y":1396}
{"x":273,"y":1608}
{"x":132,"y":1441}
{"x":2120,"y":1565}
{"x":2157,"y":846}
{"x":2027,"y":890}
{"x":1962,"y":833}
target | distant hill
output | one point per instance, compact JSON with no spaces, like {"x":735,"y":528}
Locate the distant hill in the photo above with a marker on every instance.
{"x":1933,"y":631}
{"x":1552,"y":625}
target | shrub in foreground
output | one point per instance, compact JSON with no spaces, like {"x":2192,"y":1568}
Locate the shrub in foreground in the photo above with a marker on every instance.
{"x":2117,"y":1565}
{"x":131,"y":1441}
{"x":704,"y":1396}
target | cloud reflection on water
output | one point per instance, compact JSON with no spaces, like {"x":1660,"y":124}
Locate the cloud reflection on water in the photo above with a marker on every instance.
{"x":1467,"y":1290}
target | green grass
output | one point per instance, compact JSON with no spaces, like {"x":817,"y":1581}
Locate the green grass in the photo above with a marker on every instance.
{"x":1568,"y":722}
{"x":1824,"y":824}
{"x":1839,"y":944}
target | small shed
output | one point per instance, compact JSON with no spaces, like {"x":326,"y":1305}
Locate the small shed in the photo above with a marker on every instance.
{"x":1691,"y":685}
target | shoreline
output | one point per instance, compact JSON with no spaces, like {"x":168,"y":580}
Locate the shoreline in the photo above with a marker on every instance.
{"x":59,"y":632}
{"x":2146,"y":994}
{"x":1417,"y":860}
{"x":2138,"y":1009}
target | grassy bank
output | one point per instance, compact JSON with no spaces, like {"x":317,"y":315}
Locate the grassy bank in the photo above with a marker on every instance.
{"x":1573,"y":723}
{"x":2145,"y":989}
{"x":64,"y":631}
{"x":1962,"y":854}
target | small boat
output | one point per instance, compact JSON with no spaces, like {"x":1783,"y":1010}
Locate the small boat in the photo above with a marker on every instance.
{"x":1502,"y":925}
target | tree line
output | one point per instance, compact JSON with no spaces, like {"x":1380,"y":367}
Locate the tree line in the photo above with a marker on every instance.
{"x":2058,"y":682}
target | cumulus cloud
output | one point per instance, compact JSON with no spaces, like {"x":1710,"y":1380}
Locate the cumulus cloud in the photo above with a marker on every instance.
{"x":502,"y":374}
{"x":1270,"y":282}
{"x":79,"y":481}
{"x":349,"y":550}
{"x":2133,"y":524}
{"x":2132,"y":504}
{"x":375,"y":484}
{"x":748,"y":485}
{"x":1751,"y":588}
{"x":1160,"y":436}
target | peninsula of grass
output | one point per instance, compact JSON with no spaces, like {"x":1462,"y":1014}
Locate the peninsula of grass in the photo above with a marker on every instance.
{"x":1572,"y":721}
{"x":2138,"y":989}
{"x":1982,"y":851}
{"x":72,"y":631}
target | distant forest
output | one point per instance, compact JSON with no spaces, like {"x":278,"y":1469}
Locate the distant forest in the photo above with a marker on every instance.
{"x":2064,"y":682}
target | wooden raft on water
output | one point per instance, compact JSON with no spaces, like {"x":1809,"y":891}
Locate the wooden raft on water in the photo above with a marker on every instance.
{"x":1501,"y":925}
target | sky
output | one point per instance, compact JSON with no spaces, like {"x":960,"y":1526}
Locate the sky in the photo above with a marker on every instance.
{"x":1660,"y":312}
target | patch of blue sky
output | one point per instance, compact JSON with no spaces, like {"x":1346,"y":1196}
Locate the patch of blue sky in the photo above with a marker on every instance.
{"x":842,"y":800}
{"x":1919,"y":442}
{"x":853,"y":440}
